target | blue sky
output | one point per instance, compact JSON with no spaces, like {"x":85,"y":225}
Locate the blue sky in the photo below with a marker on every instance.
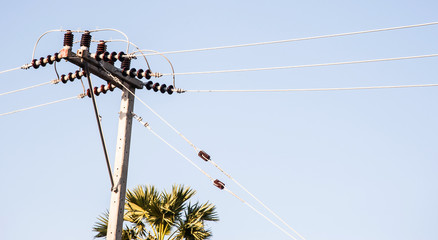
{"x":335,"y":165}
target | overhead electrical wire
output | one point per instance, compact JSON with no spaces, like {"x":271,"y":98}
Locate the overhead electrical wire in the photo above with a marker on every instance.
{"x":13,"y":69}
{"x":139,"y":119}
{"x":34,"y":86}
{"x":313,"y":89}
{"x":198,"y":150}
{"x":307,"y":65}
{"x":300,"y":39}
{"x":42,"y":105}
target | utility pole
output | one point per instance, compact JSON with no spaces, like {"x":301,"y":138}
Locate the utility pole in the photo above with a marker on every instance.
{"x":101,"y":64}
{"x":105,"y":69}
{"x":117,"y":207}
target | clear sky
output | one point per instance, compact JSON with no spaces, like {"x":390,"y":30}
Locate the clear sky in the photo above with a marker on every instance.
{"x":335,"y":165}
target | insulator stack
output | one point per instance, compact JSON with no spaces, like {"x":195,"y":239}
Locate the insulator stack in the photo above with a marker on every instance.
{"x":102,"y":89}
{"x":68,"y":38}
{"x":126,"y":64}
{"x":43,"y":61}
{"x":140,"y":73}
{"x":157,"y":87}
{"x":107,"y":57}
{"x":101,"y":47}
{"x":219,"y":184}
{"x":72,"y":76}
{"x":86,"y":39}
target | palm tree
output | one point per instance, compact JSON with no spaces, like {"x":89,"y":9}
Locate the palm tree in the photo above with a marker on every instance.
{"x":157,"y":216}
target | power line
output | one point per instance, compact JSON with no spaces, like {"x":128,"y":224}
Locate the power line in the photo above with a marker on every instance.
{"x":34,"y":86}
{"x":139,"y":119}
{"x":300,"y":39}
{"x":308,"y":65}
{"x":25,"y":66}
{"x":315,"y":89}
{"x":198,"y":150}
{"x":41,"y":105}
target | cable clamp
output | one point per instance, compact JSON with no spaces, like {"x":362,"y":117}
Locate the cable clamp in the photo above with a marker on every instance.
{"x":82,"y":95}
{"x":55,"y":81}
{"x":156,"y":75}
{"x":26,"y":66}
{"x":179,"y":90}
{"x":130,"y":56}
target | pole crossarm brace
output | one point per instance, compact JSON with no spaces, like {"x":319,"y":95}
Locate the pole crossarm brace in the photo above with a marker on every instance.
{"x":95,"y":67}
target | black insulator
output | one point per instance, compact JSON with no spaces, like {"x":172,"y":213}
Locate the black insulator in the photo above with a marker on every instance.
{"x":101,"y":47}
{"x":68,"y":38}
{"x":113,"y":57}
{"x":42,"y":62}
{"x":148,"y":74}
{"x":126,"y":63}
{"x":219,"y":184}
{"x":102,"y":89}
{"x":34,"y":64}
{"x":86,"y":39}
{"x":89,"y":93}
{"x":140,"y":73}
{"x":132,"y":72}
{"x":64,"y":79}
{"x":105,"y":56}
{"x":121,"y":56}
{"x":49,"y":59}
{"x":170,"y":89}
{"x":148,"y":85}
{"x":125,"y":71}
{"x":96,"y":91}
{"x":155,"y":87}
{"x":77,"y":73}
{"x":163,"y":88}
{"x":204,"y":155}
{"x":57,"y":58}
{"x":97,"y":56}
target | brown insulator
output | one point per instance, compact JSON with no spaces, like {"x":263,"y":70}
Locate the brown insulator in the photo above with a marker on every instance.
{"x":42,"y":63}
{"x":155,"y":87}
{"x":105,"y":57}
{"x":140,"y":73}
{"x":170,"y":89}
{"x":78,"y":75}
{"x":163,"y":88}
{"x":121,"y":56}
{"x":101,"y":47}
{"x":126,"y":63}
{"x":49,"y":59}
{"x":57,"y":58}
{"x":86,"y":39}
{"x":103,"y":89}
{"x":68,"y":38}
{"x":70,"y":77}
{"x":112,"y":57}
{"x":96,"y":91}
{"x":219,"y":184}
{"x":111,"y":87}
{"x":204,"y":155}
{"x":34,"y":64}
{"x":148,"y":74}
{"x":89,"y":93}
{"x":63,"y":79}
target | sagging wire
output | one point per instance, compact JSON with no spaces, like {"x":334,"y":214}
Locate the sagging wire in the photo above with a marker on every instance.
{"x":306,"y":66}
{"x":312,"y":89}
{"x":201,"y":153}
{"x":30,"y":87}
{"x":300,"y":39}
{"x":216,"y":182}
{"x":80,"y":96}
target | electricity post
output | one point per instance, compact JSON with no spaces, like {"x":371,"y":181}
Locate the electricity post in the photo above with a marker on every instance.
{"x":101,"y":64}
{"x":117,"y":77}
